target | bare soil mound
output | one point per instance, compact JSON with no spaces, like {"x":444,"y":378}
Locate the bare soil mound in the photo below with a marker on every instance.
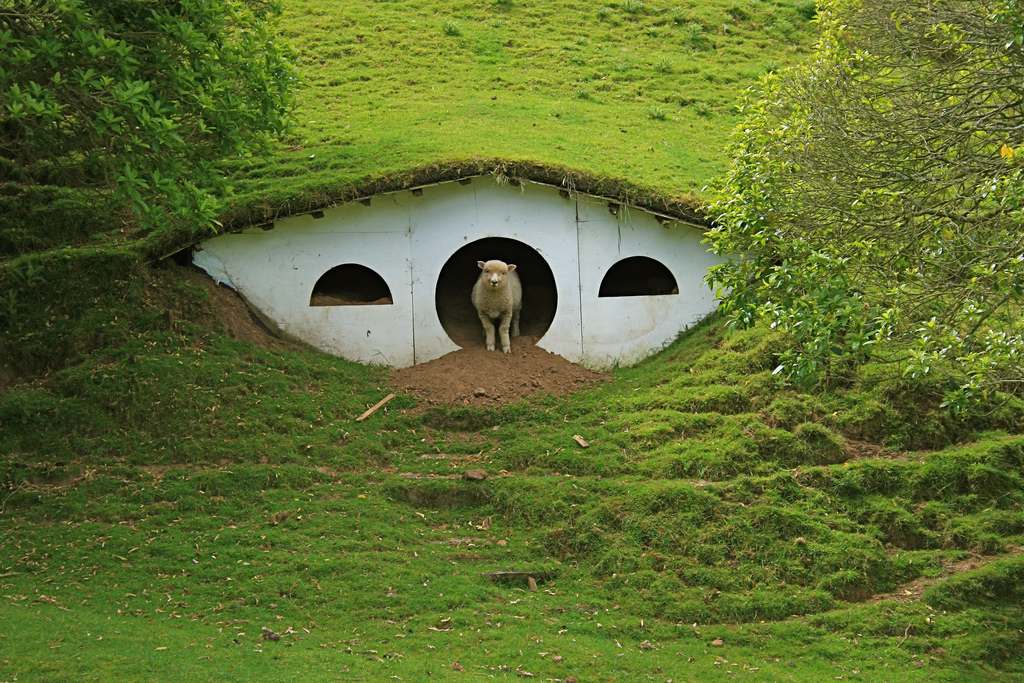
{"x":474,"y":376}
{"x":470,"y":376}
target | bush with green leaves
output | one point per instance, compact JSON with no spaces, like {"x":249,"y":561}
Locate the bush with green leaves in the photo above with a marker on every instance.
{"x":140,"y":100}
{"x":451,"y":28}
{"x":875,"y":204}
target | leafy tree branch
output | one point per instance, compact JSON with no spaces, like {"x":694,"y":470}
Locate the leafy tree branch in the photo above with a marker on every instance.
{"x":140,"y":98}
{"x":874,"y":205}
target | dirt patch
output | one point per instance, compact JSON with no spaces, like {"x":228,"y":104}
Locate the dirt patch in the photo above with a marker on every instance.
{"x":474,"y":376}
{"x":913,"y":591}
{"x":157,"y":472}
{"x":229,"y":314}
{"x":343,"y":300}
{"x":862,"y":450}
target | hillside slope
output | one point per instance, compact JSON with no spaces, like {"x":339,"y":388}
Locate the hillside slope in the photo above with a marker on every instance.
{"x":639,"y":92}
{"x":183,"y":497}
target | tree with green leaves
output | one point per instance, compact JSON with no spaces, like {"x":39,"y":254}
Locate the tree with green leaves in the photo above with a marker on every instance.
{"x":874,"y":209}
{"x":140,"y":99}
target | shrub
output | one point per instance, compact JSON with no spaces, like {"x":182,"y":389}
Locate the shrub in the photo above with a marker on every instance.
{"x":695,"y":34}
{"x":451,"y":28}
{"x":634,"y":6}
{"x":782,"y":28}
{"x":807,"y":9}
{"x":703,"y":109}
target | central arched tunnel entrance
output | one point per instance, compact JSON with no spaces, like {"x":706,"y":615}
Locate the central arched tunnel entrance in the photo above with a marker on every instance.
{"x":455,"y":284}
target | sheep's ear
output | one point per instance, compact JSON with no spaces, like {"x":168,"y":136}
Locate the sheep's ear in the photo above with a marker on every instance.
{"x":481,"y":264}
{"x":511,"y":267}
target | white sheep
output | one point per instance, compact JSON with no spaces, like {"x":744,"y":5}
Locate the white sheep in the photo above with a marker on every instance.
{"x":498,"y":295}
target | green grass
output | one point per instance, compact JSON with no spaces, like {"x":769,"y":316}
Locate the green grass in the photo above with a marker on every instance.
{"x":387,"y":87}
{"x":167,"y":491}
{"x":181,"y":488}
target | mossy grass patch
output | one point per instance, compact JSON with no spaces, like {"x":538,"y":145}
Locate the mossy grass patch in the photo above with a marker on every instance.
{"x":184,"y":489}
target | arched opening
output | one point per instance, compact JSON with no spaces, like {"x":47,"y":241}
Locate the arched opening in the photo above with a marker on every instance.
{"x":455,"y":284}
{"x":350,"y":284}
{"x":638,"y":276}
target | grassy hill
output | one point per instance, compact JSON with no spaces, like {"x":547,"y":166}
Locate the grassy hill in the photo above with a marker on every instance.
{"x":639,"y":92}
{"x":178,"y":501}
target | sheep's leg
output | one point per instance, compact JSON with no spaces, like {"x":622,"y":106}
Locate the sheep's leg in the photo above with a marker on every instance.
{"x":515,"y":323}
{"x":506,"y":345}
{"x":488,"y":331}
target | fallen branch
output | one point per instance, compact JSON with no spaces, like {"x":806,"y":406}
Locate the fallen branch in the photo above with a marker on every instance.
{"x":380,"y":404}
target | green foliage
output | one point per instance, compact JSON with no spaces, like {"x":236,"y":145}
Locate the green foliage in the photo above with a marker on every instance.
{"x":782,"y":27}
{"x":869,"y":215}
{"x":807,"y":9}
{"x":139,"y":102}
{"x":634,"y":6}
{"x":657,"y":113}
{"x":451,"y":28}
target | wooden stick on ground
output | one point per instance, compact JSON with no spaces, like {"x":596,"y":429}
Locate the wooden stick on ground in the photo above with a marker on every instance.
{"x":380,"y":404}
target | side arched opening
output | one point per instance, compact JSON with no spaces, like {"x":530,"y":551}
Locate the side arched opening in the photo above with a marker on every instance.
{"x":638,"y":276}
{"x":350,"y":284}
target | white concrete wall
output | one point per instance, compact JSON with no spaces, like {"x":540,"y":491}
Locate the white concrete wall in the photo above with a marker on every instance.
{"x":448,"y":217}
{"x":407,"y":239}
{"x":275,"y":271}
{"x":624,"y":330}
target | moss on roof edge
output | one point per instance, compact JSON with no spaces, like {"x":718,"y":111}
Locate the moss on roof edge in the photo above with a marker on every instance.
{"x":257,"y":208}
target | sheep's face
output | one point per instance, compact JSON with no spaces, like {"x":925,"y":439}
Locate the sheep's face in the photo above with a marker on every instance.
{"x":495,"y":272}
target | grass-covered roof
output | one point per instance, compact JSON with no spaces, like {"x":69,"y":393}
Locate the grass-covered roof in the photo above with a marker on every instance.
{"x":633,"y":100}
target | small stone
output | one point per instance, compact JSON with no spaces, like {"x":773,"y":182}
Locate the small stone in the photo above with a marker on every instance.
{"x":717,"y":642}
{"x":556,"y":658}
{"x":479,"y":391}
{"x":474,"y":475}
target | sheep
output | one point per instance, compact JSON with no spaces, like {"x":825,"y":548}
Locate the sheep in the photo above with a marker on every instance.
{"x":498,"y":295}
